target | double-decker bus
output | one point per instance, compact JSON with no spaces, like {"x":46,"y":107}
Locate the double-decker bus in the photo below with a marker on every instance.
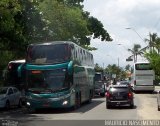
{"x":143,"y":76}
{"x":59,"y":74}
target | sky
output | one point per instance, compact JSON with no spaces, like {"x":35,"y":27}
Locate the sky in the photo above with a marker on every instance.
{"x":142,"y":16}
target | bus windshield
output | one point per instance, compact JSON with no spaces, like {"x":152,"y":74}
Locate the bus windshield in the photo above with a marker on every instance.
{"x":48,"y":54}
{"x":49,"y":79}
{"x":143,"y":66}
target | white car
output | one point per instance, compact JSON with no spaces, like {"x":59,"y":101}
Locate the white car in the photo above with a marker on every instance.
{"x":10,"y":96}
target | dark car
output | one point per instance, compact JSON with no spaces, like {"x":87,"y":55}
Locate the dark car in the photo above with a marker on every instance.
{"x":100,"y":89}
{"x":118,"y":95}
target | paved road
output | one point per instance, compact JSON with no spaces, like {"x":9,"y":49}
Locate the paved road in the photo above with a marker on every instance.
{"x":145,"y":108}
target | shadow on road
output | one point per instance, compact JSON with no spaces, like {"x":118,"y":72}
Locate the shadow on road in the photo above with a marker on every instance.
{"x":123,"y":107}
{"x":87,"y":107}
{"x":84,"y":108}
{"x":145,"y":92}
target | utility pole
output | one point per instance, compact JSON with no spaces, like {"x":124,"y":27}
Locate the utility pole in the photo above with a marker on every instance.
{"x":118,"y":62}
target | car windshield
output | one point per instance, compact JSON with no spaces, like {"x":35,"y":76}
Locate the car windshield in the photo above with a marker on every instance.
{"x":50,"y":79}
{"x":124,"y":83}
{"x":118,"y":89}
{"x":47,"y":54}
{"x":3,"y":90}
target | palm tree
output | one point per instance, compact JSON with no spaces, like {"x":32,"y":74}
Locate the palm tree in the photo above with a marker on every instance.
{"x":152,"y":41}
{"x":136,"y":51}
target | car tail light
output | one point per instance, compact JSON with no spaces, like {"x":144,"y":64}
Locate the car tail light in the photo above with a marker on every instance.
{"x":134,"y":82}
{"x":10,"y":66}
{"x":130,"y":95}
{"x":108,"y":94}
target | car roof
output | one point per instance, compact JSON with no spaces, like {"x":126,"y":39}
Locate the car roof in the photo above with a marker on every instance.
{"x":112,"y":86}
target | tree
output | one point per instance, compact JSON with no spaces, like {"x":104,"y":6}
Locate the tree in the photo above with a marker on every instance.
{"x":113,"y":69}
{"x":67,"y":21}
{"x":10,"y":30}
{"x":20,"y":24}
{"x":135,"y":51}
{"x":98,"y":68}
{"x":153,"y":55}
{"x":153,"y":42}
{"x":154,"y":58}
{"x":128,"y":67}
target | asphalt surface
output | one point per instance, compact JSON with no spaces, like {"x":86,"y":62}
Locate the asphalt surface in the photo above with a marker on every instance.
{"x":93,"y":114}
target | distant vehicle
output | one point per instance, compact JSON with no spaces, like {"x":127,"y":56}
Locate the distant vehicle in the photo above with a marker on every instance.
{"x":10,"y":96}
{"x":143,"y":77}
{"x":11,"y":76}
{"x":119,"y":95}
{"x":100,"y":87}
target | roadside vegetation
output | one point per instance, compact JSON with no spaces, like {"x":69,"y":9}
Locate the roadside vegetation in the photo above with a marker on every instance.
{"x":30,"y":21}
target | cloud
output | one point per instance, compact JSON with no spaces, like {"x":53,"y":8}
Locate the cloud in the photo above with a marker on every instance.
{"x":142,"y":15}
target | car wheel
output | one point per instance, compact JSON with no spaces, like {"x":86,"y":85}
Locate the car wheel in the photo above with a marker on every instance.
{"x":132,"y":105}
{"x":77,"y":102}
{"x":107,"y":106}
{"x":90,"y":97}
{"x":158,"y":108}
{"x":7,"y":106}
{"x":20,"y":103}
{"x":102,"y":94}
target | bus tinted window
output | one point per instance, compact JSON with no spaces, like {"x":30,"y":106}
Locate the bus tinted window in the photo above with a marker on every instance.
{"x":143,"y":66}
{"x":40,"y":54}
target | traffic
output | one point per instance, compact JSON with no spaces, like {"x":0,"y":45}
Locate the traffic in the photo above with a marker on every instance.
{"x":51,"y":78}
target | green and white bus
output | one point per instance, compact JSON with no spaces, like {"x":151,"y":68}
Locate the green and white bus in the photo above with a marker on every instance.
{"x":59,"y":74}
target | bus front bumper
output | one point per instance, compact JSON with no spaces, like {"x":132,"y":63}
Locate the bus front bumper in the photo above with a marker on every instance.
{"x":48,"y":103}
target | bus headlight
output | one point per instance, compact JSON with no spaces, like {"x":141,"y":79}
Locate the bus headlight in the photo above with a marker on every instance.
{"x":65,"y":102}
{"x":28,"y":103}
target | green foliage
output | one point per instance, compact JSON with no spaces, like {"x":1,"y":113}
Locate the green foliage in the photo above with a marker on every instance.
{"x":64,"y":23}
{"x":98,"y":68}
{"x":154,"y":58}
{"x":128,"y":67}
{"x":67,"y":21}
{"x":28,"y":21}
{"x":114,"y":69}
{"x":153,"y":55}
{"x":71,"y":3}
{"x":97,"y":29}
{"x":136,"y":51}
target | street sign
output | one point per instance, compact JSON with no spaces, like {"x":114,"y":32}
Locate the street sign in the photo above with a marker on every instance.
{"x":129,"y":59}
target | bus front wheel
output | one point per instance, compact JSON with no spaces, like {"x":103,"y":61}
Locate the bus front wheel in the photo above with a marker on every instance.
{"x":77,"y":101}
